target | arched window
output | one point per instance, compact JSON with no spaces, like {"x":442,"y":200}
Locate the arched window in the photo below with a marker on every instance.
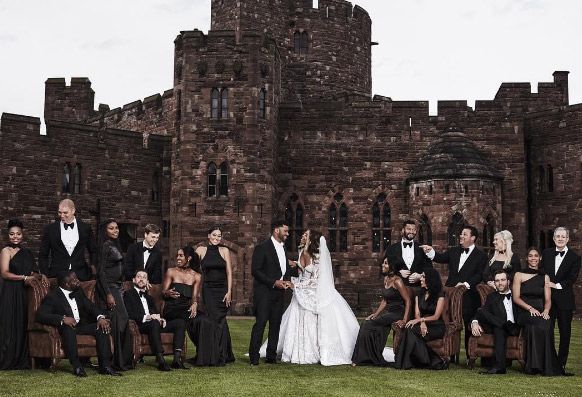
{"x":488,"y":233}
{"x":343,"y":228}
{"x":77,"y":179}
{"x":66,"y":179}
{"x":156,"y":187}
{"x":424,"y":231}
{"x":541,"y":178}
{"x":455,"y":228}
{"x":381,"y":224}
{"x":223,"y":186}
{"x":294,"y":218}
{"x":212,"y":180}
{"x":224,"y":103}
{"x":332,"y":226}
{"x":215,"y":103}
{"x":262,"y":103}
{"x":301,"y":42}
{"x":550,"y":178}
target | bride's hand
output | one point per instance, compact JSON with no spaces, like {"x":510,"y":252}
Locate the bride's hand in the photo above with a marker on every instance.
{"x":371,"y":316}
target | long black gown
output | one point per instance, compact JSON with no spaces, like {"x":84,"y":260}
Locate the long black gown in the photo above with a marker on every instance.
{"x":413,"y":350}
{"x":214,"y":287}
{"x":13,"y":314}
{"x":540,"y":357}
{"x":374,"y":333}
{"x":489,"y":272}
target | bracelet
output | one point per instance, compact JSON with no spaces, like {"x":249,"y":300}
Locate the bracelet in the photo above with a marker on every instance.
{"x":24,"y":279}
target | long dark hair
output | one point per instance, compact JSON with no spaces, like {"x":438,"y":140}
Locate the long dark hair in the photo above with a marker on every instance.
{"x":433,"y":282}
{"x":194,"y":262}
{"x":313,"y":248}
{"x":390,"y":272}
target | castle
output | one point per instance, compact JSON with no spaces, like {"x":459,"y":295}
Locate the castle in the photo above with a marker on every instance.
{"x":271,"y":114}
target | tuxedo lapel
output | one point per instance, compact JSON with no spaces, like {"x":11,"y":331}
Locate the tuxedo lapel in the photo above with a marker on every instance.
{"x":65,"y":303}
{"x":275,"y":257}
{"x":140,"y":256}
{"x":57,"y":236}
{"x":82,"y":236}
{"x":565,"y":265}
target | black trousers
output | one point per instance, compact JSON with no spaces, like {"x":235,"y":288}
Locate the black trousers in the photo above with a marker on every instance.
{"x":471,"y":303}
{"x":564,"y":318}
{"x":69,"y":340}
{"x":153,"y":330}
{"x":500,"y":335}
{"x":268,"y":308}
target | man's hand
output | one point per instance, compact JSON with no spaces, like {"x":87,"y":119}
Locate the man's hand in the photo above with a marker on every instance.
{"x":551,"y":285}
{"x":69,"y":322}
{"x":280,"y":284}
{"x":404,"y":273}
{"x":104,"y":325}
{"x":476,"y":329}
{"x":414,"y":277}
{"x":426,"y":248}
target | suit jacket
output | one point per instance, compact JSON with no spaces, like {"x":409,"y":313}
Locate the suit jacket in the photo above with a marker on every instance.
{"x":562,"y":299}
{"x":134,"y":307}
{"x":54,"y":258}
{"x":134,"y":263}
{"x":472,"y":270}
{"x":55,"y":305}
{"x":420,"y":262}
{"x":266,"y":270}
{"x":493,"y":310}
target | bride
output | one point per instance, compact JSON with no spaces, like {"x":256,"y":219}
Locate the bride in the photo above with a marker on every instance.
{"x":318,"y":326}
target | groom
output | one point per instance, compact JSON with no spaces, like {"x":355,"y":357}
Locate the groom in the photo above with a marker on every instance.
{"x":270,"y":266}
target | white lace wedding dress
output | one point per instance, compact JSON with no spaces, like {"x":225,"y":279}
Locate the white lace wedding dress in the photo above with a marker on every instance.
{"x":319,"y":325}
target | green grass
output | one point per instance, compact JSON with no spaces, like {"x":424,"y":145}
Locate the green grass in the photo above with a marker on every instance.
{"x":239,"y":379}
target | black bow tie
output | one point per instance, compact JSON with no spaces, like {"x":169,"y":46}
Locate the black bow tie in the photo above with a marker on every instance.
{"x":142,"y":294}
{"x":147,"y":249}
{"x":561,"y":253}
{"x":69,"y":225}
{"x":11,"y":245}
{"x":508,"y":296}
{"x":465,"y":250}
{"x":407,"y":244}
{"x":73,"y":295}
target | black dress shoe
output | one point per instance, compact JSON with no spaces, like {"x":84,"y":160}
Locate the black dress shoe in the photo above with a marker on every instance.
{"x":178,"y":365}
{"x":163,"y":366}
{"x":109,"y":371}
{"x":80,"y":372}
{"x":270,"y":361}
{"x":254,"y":363}
{"x":494,"y":371}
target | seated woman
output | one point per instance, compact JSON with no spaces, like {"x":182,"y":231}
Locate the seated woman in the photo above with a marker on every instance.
{"x":393,"y":308}
{"x":532,"y":294}
{"x":181,"y":291}
{"x":427,"y":325}
{"x":503,"y":258}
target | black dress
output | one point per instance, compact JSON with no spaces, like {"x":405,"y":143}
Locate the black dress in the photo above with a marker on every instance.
{"x":489,"y":272}
{"x":540,"y":353}
{"x":214,"y":287}
{"x":374,"y":333}
{"x":413,"y":350}
{"x":13,"y":314}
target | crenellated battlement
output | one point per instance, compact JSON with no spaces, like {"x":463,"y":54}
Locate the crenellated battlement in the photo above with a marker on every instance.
{"x":72,"y":102}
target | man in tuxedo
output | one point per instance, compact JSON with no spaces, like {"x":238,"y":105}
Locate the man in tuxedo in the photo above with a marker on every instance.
{"x":142,"y":309}
{"x":68,"y":308}
{"x":406,"y":256}
{"x":64,"y":244}
{"x":562,"y":265}
{"x":466,"y":264}
{"x":145,"y":256}
{"x":497,"y":317}
{"x":270,"y":267}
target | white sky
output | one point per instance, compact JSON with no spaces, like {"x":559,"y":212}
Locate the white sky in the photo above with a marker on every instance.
{"x":429,"y":50}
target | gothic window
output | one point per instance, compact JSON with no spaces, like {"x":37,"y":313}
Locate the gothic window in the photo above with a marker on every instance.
{"x":343,"y":228}
{"x":156,"y":187}
{"x":294,"y":219}
{"x":550,"y":178}
{"x":541,"y":178}
{"x":424,"y":231}
{"x":224,"y":103}
{"x":77,"y":178}
{"x":127,"y":235}
{"x":262,"y":103}
{"x":212,"y":180}
{"x":488,"y":233}
{"x":332,"y":226}
{"x":301,"y":42}
{"x":381,"y":224}
{"x":223,"y":190}
{"x":455,"y":228}
{"x":66,"y":179}
{"x":338,"y":225}
{"x":214,"y":103}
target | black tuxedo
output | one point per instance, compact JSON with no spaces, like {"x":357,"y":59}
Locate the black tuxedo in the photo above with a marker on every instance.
{"x":563,"y":302}
{"x":420,"y":262}
{"x":51,"y":312}
{"x":493,"y":319}
{"x":153,"y":328}
{"x":54,"y":258}
{"x":134,"y":263}
{"x":267,"y":300}
{"x":471,"y":273}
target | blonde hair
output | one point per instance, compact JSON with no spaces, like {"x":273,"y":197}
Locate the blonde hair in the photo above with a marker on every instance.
{"x":507,"y":238}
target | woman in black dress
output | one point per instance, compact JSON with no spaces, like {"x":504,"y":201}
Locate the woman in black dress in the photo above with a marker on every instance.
{"x":109,"y":279}
{"x":533,"y":295}
{"x":181,"y":289}
{"x":374,"y":331}
{"x":217,"y":291}
{"x":18,"y":268}
{"x":503,"y":258}
{"x":427,"y":325}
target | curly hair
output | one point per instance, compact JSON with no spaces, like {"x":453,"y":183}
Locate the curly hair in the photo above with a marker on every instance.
{"x":433,"y":282}
{"x":313,"y":247}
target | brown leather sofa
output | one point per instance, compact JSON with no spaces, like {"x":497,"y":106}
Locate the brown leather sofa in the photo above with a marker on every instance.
{"x":44,"y":341}
{"x":484,"y":346}
{"x":141,"y":345}
{"x":450,"y":344}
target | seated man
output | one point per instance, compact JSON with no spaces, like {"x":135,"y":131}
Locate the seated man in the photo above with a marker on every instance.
{"x":141,"y":308}
{"x":497,"y":317}
{"x":69,"y":309}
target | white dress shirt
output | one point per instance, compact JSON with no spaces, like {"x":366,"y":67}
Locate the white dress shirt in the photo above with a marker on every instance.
{"x":146,"y":254}
{"x":462,"y":260}
{"x":280,"y":248}
{"x":70,"y":237}
{"x":407,"y":253}
{"x":73,"y":304}
{"x":558,"y":262}
{"x":144,"y":303}
{"x":508,"y":303}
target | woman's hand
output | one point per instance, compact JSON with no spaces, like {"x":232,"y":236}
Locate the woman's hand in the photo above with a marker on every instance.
{"x":400,"y":323}
{"x":534,"y":312}
{"x":227,"y":299}
{"x":193,"y":310}
{"x":171,"y":293}
{"x":111,"y":302}
{"x":412,"y":323}
{"x":423,"y":329}
{"x":491,"y":284}
{"x":371,"y":316}
{"x":546,"y":314}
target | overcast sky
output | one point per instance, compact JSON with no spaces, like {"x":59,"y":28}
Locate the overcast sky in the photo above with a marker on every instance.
{"x":429,"y":50}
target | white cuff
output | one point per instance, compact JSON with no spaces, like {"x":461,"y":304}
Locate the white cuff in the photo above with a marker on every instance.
{"x":558,"y":286}
{"x":99,"y":317}
{"x":475,"y":322}
{"x":467,"y":285}
{"x":430,"y":254}
{"x":145,"y":316}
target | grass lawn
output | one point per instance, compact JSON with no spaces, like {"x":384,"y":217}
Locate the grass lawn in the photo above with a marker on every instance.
{"x":239,"y":379}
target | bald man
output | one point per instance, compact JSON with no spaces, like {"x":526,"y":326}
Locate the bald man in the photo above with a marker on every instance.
{"x":65,"y":243}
